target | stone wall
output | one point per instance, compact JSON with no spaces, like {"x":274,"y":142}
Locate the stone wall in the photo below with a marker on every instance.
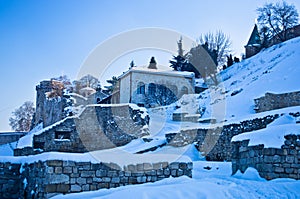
{"x":10,"y":180}
{"x":48,"y":178}
{"x":271,"y":163}
{"x":98,"y":127}
{"x":215,"y":143}
{"x":10,"y":137}
{"x":276,"y":101}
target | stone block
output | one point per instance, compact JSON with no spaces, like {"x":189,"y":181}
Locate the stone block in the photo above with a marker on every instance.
{"x":123,"y":179}
{"x":50,"y":188}
{"x":68,"y":163}
{"x":67,"y":169}
{"x":86,"y":174}
{"x":148,"y":166}
{"x":131,"y":168}
{"x":160,"y":172}
{"x":106,"y":179}
{"x":97,"y":179}
{"x":167,"y":172}
{"x":174,"y":173}
{"x":182,"y":165}
{"x":84,"y":166}
{"x":290,"y":159}
{"x":54,"y":163}
{"x":57,"y":178}
{"x":96,"y":166}
{"x":278,"y":169}
{"x":114,"y":166}
{"x":72,"y":180}
{"x":81,"y":180}
{"x":74,"y":175}
{"x":289,"y":170}
{"x":140,"y":167}
{"x":127,"y":173}
{"x":152,"y":172}
{"x":268,"y":159}
{"x":276,"y":159}
{"x":63,"y":188}
{"x":115,"y":180}
{"x":75,"y":188}
{"x":136,"y":174}
{"x":174,"y":165}
{"x":85,"y":187}
{"x":49,"y":169}
{"x":103,"y":185}
{"x":93,"y":187}
{"x":141,"y":179}
{"x":58,"y":170}
{"x":75,"y":169}
{"x":132,"y":180}
{"x":101,"y":173}
{"x":180,"y":172}
{"x":89,"y":180}
{"x":112,"y":173}
{"x":295,"y":165}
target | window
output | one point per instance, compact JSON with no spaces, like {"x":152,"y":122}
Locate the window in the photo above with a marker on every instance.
{"x":62,"y":135}
{"x":184,"y":90}
{"x":151,"y":89}
{"x":141,"y":88}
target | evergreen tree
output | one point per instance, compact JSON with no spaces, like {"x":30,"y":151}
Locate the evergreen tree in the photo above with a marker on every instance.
{"x":113,"y":84}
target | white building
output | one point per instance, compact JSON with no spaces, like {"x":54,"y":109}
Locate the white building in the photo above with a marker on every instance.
{"x":154,"y":85}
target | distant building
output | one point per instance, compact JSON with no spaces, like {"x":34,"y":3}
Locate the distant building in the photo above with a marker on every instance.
{"x":254,"y":44}
{"x":153,"y":86}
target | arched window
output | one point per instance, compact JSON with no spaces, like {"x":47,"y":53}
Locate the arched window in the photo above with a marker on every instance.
{"x":174,"y":89}
{"x":184,"y":90}
{"x":151,"y":89}
{"x":141,"y":88}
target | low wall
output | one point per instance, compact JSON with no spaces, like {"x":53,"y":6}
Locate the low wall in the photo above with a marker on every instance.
{"x":276,"y":101}
{"x":10,"y":137}
{"x":270,"y":163}
{"x":48,"y":178}
{"x":215,"y":143}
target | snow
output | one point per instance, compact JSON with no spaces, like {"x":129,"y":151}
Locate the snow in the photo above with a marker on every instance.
{"x":273,"y":70}
{"x":115,"y":155}
{"x":8,"y":149}
{"x":273,"y":135}
{"x":26,"y":141}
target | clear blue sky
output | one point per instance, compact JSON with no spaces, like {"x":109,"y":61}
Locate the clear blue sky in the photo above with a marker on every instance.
{"x":41,"y":39}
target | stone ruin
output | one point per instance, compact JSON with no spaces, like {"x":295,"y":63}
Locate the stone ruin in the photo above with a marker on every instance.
{"x":276,"y":101}
{"x":270,"y":163}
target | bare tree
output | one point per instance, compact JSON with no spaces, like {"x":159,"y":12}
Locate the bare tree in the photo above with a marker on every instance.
{"x":218,"y":42}
{"x":277,"y":18}
{"x":21,"y":118}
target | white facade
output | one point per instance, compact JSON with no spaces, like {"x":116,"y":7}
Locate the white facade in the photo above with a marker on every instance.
{"x":151,"y":87}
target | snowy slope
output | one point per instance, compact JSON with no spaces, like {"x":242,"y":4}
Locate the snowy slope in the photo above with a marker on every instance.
{"x":274,"y":70}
